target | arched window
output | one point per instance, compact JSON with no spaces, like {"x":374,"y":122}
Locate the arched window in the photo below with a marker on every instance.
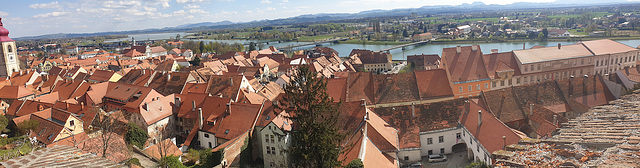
{"x":10,"y":49}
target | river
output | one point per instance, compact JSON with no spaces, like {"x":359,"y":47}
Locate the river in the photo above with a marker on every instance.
{"x":398,"y":54}
{"x":430,"y":48}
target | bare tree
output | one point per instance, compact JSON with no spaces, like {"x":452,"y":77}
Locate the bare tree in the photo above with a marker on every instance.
{"x":164,"y":148}
{"x":109,"y":126}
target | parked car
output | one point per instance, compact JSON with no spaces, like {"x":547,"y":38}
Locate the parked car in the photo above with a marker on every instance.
{"x":437,"y":158}
{"x":416,"y":165}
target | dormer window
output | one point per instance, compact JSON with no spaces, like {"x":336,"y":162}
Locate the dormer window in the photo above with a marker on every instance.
{"x":226,"y":131}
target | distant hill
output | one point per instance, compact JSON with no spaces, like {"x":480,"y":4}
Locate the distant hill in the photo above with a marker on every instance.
{"x":324,"y":17}
{"x":194,"y":25}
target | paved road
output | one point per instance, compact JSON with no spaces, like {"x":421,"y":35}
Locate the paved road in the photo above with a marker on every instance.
{"x":397,"y":68}
{"x":455,"y":160}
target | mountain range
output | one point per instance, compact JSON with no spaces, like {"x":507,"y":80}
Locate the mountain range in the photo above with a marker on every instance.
{"x":323,"y":17}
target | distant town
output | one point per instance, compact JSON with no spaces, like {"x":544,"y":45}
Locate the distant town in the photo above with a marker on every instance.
{"x":184,"y":101}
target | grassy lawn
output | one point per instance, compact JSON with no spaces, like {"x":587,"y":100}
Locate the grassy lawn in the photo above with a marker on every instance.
{"x":373,"y":42}
{"x":563,"y":16}
{"x":24,"y":149}
{"x":320,"y":37}
{"x":478,"y":19}
{"x":575,"y":32}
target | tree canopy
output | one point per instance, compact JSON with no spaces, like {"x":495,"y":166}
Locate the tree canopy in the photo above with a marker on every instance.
{"x":315,"y":140}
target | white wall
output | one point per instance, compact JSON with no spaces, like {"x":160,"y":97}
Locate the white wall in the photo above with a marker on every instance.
{"x":480,"y":154}
{"x":413,"y":154}
{"x":449,"y":136}
{"x":204,"y":141}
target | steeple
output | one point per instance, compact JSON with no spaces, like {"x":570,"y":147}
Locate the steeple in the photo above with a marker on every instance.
{"x":4,"y":33}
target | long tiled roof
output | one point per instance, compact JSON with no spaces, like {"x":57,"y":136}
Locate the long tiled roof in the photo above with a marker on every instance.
{"x":606,"y":46}
{"x":490,"y":130}
{"x":400,"y":87}
{"x":433,"y":83}
{"x":552,"y":53}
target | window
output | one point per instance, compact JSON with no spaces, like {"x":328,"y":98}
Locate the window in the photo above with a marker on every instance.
{"x":430,"y":152}
{"x":10,"y":49}
{"x":525,"y":68}
{"x":486,"y":85}
{"x":429,"y":140}
{"x":470,"y":88}
{"x":273,"y":150}
{"x":539,"y":66}
{"x":460,"y":89}
{"x":406,"y":157}
{"x":478,"y":148}
{"x":493,"y":84}
{"x":518,"y":81}
{"x":501,"y":83}
{"x":441,"y":150}
{"x":597,"y":63}
{"x":525,"y":79}
{"x":206,"y":135}
{"x":458,"y":136}
{"x":71,"y":123}
{"x":268,"y":150}
{"x":477,"y":86}
{"x":441,"y":139}
{"x":532,"y":67}
{"x":210,"y":146}
{"x":272,"y":139}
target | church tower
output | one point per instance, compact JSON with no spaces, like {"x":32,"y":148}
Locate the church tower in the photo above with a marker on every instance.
{"x":8,"y":55}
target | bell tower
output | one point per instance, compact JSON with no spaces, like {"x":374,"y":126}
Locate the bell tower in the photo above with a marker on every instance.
{"x":8,"y":62}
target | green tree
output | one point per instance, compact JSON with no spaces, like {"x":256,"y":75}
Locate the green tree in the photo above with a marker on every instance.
{"x":252,"y":46}
{"x":171,"y":162}
{"x":201,"y":46}
{"x":25,"y":126}
{"x":405,"y":33}
{"x":541,"y":36}
{"x":355,"y":163}
{"x":315,"y":142}
{"x":545,"y":32}
{"x":136,"y":135}
{"x":3,"y":122}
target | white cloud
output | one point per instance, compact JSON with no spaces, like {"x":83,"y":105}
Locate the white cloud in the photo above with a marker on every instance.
{"x":53,"y":4}
{"x":51,"y":14}
{"x":191,"y":6}
{"x":265,"y":2}
{"x":121,"y":4}
{"x":192,"y":11}
{"x":270,"y":9}
{"x":3,"y":14}
{"x":189,"y":1}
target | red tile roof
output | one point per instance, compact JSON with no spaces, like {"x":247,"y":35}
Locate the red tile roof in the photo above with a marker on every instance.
{"x":490,"y":130}
{"x":360,"y":86}
{"x":14,"y":92}
{"x":194,"y":88}
{"x":433,"y":83}
{"x":226,"y":86}
{"x":239,"y":120}
{"x":337,"y":89}
{"x":394,"y":88}
{"x":25,"y":107}
{"x":100,"y":76}
{"x":500,"y":62}
{"x":370,"y":57}
{"x":467,"y":65}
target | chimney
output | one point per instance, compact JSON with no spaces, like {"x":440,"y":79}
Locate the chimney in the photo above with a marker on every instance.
{"x":168,"y":77}
{"x":458,"y":49}
{"x":200,"y":118}
{"x":466,"y":106}
{"x":493,"y":51}
{"x":143,"y":72}
{"x":193,"y":108}
{"x":474,"y":47}
{"x":413,"y":109}
{"x":555,"y":120}
{"x":530,"y":109}
{"x":479,"y":117}
{"x":364,"y":102}
{"x":559,"y":46}
{"x":524,"y":46}
{"x":229,"y":108}
{"x":178,"y":101}
{"x":230,"y":81}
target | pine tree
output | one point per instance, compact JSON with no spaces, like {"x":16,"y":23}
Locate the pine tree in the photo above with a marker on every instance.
{"x":315,"y":139}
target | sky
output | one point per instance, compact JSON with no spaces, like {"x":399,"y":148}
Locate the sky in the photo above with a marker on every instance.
{"x":39,"y":17}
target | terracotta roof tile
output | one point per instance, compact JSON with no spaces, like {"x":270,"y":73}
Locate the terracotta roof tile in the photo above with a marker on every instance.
{"x":226,"y":86}
{"x":607,"y":46}
{"x":360,"y":86}
{"x":166,"y":147}
{"x":100,"y":76}
{"x":490,"y":130}
{"x":239,"y":120}
{"x":500,"y":62}
{"x":433,"y":83}
{"x":467,"y":65}
{"x":396,"y":88}
{"x":14,"y":92}
{"x":337,"y":89}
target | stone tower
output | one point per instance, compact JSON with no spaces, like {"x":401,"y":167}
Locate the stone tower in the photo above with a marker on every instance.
{"x":9,"y":62}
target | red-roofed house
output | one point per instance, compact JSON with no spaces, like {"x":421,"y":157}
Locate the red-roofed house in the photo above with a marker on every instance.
{"x":466,"y":69}
{"x":483,"y":133}
{"x":53,"y":125}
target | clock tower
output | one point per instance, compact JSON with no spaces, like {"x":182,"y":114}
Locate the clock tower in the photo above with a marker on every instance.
{"x":8,"y":55}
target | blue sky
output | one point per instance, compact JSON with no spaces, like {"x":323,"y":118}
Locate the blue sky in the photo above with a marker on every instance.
{"x":38,"y":17}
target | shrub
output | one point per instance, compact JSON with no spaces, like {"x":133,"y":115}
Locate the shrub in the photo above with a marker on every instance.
{"x":133,"y":161}
{"x":136,"y":135}
{"x":355,"y":163}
